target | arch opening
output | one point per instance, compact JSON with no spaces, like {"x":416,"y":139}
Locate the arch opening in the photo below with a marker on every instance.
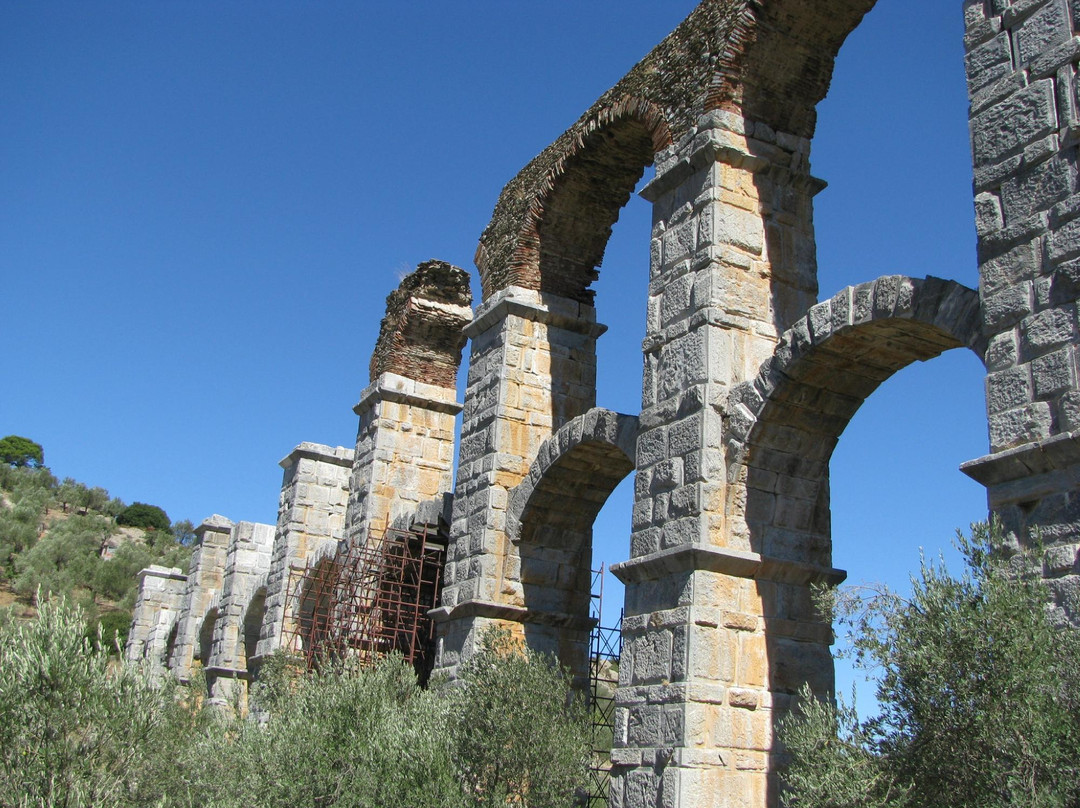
{"x":551,"y":516}
{"x":252,"y":630}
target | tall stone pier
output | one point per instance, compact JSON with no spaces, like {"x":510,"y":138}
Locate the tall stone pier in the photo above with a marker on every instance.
{"x":1025,"y":126}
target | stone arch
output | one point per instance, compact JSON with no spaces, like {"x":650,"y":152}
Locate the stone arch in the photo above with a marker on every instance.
{"x":551,"y":224}
{"x":206,"y":635}
{"x":251,"y":628}
{"x":784,"y":424}
{"x":549,"y":519}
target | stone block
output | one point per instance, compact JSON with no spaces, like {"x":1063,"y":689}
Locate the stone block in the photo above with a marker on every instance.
{"x":1041,"y":31}
{"x":1037,"y":188}
{"x":1052,"y":373}
{"x":1007,"y":307}
{"x":1045,"y":330}
{"x":1021,"y":425}
{"x":1002,"y":352}
{"x":1008,"y":389}
{"x":988,"y":62}
{"x":1012,"y":124}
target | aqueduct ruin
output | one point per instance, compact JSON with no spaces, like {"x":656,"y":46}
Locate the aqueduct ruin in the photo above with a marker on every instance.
{"x":748,"y":383}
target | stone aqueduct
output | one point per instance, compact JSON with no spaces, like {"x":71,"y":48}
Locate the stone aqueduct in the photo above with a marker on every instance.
{"x":748,"y":383}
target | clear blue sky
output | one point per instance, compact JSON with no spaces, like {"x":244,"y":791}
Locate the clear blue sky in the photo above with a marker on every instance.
{"x":204,"y":206}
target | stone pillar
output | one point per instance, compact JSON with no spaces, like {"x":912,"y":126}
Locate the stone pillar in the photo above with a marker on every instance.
{"x":311,"y":517}
{"x":157,"y":610}
{"x":206,"y":573}
{"x":733,"y":266}
{"x":532,"y":368}
{"x":1022,"y":63}
{"x":244,"y":588}
{"x":404,"y":452}
{"x":405,"y":440}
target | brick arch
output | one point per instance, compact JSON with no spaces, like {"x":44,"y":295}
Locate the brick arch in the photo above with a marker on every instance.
{"x":784,"y":424}
{"x":778,"y":60}
{"x":558,"y":213}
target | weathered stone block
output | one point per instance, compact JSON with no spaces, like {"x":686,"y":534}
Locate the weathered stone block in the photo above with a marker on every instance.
{"x":988,"y":62}
{"x":1008,"y":389}
{"x":1041,"y":31}
{"x":1014,"y":123}
{"x":1045,"y":330}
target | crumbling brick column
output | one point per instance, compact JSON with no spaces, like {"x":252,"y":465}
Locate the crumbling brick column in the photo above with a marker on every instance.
{"x":405,"y":441}
{"x":206,"y":572}
{"x":157,"y":610}
{"x":311,"y":518}
{"x":246,"y":565}
{"x":733,"y":265}
{"x":1022,"y":61}
{"x":532,"y":368}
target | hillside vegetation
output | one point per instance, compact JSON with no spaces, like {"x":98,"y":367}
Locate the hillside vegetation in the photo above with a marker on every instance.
{"x":64,"y":538}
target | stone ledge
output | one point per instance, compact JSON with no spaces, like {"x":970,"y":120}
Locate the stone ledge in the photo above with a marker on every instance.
{"x":157,"y":571}
{"x":391,"y":387}
{"x":538,"y":307}
{"x":516,"y":614}
{"x":737,"y":563}
{"x":337,"y":455}
{"x":1056,"y":453}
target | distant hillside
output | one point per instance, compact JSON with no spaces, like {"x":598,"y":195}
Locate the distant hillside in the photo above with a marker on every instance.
{"x":62,"y":537}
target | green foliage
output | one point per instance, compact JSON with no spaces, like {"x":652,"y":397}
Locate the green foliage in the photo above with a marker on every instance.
{"x":66,"y":558}
{"x":110,"y":631}
{"x":336,"y":738}
{"x":979,"y":696}
{"x":517,"y":735}
{"x":18,"y":451}
{"x":148,"y":517}
{"x":76,"y":730}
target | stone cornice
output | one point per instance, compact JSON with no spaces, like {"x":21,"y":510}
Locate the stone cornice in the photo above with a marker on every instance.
{"x":737,"y":563}
{"x":1056,"y":453}
{"x":516,"y":614}
{"x":538,"y":307}
{"x":391,"y":387}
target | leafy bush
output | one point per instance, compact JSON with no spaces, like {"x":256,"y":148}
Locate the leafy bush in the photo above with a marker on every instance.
{"x":76,"y":730}
{"x":517,"y":734}
{"x":148,"y":517}
{"x":979,"y":696}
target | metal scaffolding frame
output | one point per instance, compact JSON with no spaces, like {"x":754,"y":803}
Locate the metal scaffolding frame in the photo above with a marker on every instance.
{"x":605,"y":648}
{"x":368,"y":601}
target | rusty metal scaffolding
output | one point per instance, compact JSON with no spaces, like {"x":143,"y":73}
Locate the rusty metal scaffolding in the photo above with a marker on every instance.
{"x":605,"y":648}
{"x":368,"y":601}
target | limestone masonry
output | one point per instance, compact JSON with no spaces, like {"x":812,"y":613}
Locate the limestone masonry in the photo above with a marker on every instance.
{"x":748,"y":382}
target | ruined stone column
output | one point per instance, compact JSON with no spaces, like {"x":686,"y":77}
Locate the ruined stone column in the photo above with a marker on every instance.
{"x":405,"y":440}
{"x":311,"y":520}
{"x":206,"y":572}
{"x":732,"y":266}
{"x":532,"y":368}
{"x":1022,"y":61}
{"x":157,"y":610}
{"x":240,"y":612}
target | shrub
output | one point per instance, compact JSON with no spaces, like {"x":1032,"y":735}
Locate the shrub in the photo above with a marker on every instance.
{"x":76,"y":730}
{"x":148,"y":517}
{"x":520,"y":735}
{"x":979,"y":696}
